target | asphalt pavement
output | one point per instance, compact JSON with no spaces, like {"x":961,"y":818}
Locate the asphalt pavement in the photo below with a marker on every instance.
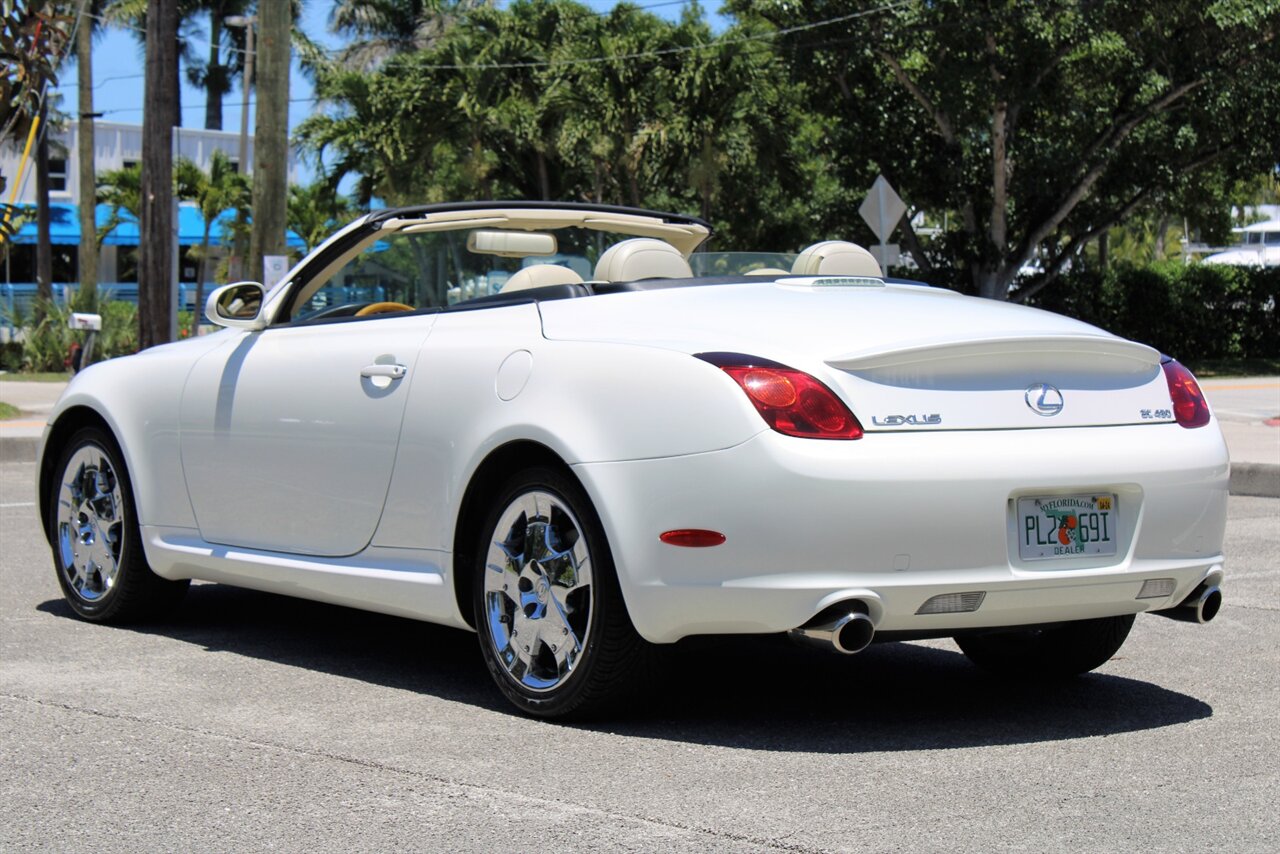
{"x":248,"y":721}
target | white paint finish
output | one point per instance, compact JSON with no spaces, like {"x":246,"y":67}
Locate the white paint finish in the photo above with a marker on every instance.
{"x":805,"y":520}
{"x":315,"y":482}
{"x":585,"y":402}
{"x":402,"y":582}
{"x":896,"y":350}
{"x":513,"y":374}
{"x":286,"y":446}
{"x":138,"y":398}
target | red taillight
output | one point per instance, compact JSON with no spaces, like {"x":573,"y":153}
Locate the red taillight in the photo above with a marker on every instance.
{"x":794,"y":403}
{"x":1190,"y":409}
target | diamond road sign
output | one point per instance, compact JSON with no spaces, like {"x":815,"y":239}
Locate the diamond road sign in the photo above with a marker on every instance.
{"x":882,"y":209}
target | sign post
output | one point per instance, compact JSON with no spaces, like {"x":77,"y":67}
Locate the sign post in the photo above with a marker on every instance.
{"x":273,"y":269}
{"x":882,"y":209}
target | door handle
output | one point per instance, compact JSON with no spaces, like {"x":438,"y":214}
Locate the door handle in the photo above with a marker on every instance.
{"x":393,"y":372}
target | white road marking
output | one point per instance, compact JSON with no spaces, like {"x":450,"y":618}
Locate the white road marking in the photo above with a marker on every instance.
{"x":20,"y":504}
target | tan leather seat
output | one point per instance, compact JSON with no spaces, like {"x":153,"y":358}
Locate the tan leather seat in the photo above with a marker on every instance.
{"x":540,"y":276}
{"x":836,"y":258}
{"x":642,"y":258}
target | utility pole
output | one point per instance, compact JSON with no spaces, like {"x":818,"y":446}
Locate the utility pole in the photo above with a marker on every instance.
{"x":271,"y":136}
{"x":237,"y":266}
{"x":156,"y":246}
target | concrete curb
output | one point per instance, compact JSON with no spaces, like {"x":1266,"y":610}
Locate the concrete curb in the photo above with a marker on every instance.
{"x":1258,"y":479}
{"x":18,"y":449}
{"x":1261,"y":479}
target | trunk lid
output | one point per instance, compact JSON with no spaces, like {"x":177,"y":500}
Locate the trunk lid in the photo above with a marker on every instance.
{"x":904,"y":358}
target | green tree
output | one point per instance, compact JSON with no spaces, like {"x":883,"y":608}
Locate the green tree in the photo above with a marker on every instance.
{"x":316,"y":210}
{"x":220,"y":189}
{"x":121,"y":189}
{"x":1040,"y":124}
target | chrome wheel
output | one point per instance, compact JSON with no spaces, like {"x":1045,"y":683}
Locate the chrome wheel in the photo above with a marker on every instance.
{"x":537,"y":591}
{"x":90,"y":523}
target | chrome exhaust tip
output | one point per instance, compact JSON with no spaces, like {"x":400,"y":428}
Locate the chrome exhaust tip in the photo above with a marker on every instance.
{"x":1200,"y":607}
{"x":842,"y":628}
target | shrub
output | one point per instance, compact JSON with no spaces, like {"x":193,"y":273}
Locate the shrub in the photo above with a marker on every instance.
{"x":1201,"y":311}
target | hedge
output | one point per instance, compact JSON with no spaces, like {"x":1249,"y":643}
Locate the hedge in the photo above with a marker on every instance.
{"x":1196,"y":312}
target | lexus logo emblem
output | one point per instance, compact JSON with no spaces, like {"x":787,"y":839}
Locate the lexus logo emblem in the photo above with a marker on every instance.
{"x":1044,"y":399}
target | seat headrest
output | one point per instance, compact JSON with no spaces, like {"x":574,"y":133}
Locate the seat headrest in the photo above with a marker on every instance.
{"x":836,"y":258}
{"x":539,"y":276}
{"x":642,"y":258}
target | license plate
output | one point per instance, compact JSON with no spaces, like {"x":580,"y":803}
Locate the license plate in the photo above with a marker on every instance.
{"x":1067,"y":526}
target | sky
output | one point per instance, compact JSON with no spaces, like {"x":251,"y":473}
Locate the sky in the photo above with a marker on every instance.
{"x":118,"y":71}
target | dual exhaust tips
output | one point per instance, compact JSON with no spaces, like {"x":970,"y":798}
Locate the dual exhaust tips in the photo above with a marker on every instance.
{"x":845,"y":627}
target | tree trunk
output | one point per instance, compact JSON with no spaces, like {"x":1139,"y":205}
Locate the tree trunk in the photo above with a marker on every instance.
{"x":87,"y":252}
{"x":1162,"y":232}
{"x":155,"y":249}
{"x":1104,"y":251}
{"x":216,"y":83}
{"x":990,"y":283}
{"x":544,"y":181}
{"x":271,"y":135}
{"x":44,"y":245}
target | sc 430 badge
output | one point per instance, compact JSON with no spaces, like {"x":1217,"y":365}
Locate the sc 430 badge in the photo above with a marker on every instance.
{"x":909,"y":420}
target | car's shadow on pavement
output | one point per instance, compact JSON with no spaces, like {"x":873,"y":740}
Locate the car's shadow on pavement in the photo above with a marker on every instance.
{"x":754,"y":693}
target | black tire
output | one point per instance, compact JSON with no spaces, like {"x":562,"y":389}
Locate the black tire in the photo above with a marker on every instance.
{"x":1048,"y":652}
{"x":545,"y":582}
{"x":97,"y":547}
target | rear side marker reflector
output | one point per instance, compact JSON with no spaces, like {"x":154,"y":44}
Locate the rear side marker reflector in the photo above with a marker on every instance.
{"x":953,"y":603}
{"x":1156,"y":588}
{"x":692,"y":538}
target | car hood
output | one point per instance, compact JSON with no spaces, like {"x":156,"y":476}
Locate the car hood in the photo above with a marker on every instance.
{"x":902,"y":356}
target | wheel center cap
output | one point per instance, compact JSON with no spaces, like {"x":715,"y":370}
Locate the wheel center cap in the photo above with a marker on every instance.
{"x":542,"y":587}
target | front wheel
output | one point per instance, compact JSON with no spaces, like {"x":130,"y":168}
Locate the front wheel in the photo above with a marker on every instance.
{"x":554,"y":631}
{"x":97,"y":548}
{"x":1048,"y":652}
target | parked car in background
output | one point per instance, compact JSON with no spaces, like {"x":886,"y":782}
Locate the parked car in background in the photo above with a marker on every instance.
{"x":1259,"y":247}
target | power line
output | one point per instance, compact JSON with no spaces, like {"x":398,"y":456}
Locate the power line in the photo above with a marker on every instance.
{"x":648,"y":54}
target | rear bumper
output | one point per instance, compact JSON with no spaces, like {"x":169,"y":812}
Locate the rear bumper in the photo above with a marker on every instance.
{"x":894,"y":519}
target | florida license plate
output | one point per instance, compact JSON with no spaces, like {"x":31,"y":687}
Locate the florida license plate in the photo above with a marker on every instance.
{"x":1066,"y":526}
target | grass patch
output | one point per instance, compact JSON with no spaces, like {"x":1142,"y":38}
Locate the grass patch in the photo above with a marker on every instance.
{"x":8,"y":410}
{"x":1206,"y":368}
{"x":35,"y":377}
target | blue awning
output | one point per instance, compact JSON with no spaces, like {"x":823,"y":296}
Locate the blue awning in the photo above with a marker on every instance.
{"x":64,"y":227}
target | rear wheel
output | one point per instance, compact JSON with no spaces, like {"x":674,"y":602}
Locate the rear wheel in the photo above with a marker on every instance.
{"x":1050,"y":652}
{"x":97,"y":548}
{"x":554,"y":631}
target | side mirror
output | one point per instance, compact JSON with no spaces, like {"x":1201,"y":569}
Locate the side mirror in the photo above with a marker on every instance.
{"x":237,"y":306}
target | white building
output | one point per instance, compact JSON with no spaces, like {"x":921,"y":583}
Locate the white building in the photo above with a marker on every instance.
{"x":116,"y":146}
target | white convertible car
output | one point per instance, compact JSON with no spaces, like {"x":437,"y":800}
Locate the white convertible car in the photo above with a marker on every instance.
{"x":561,"y":427}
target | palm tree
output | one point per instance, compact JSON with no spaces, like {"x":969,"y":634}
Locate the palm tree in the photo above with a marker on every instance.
{"x":213,"y":75}
{"x":380,"y":29}
{"x":122,"y":190}
{"x":315,"y":210}
{"x":220,"y":189}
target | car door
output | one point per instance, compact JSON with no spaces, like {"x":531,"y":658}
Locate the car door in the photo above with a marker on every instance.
{"x":289,"y":435}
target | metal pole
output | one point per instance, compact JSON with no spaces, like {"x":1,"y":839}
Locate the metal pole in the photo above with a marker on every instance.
{"x":244,"y":105}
